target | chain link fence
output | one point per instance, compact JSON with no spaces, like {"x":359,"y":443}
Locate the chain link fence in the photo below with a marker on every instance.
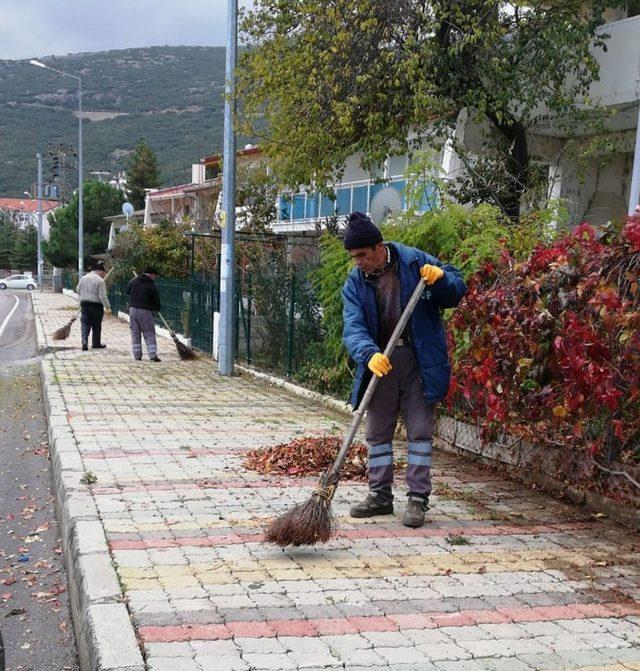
{"x":188,"y":305}
{"x":277,"y":318}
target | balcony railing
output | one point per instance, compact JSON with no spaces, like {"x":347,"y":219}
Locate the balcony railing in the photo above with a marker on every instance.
{"x":304,"y":211}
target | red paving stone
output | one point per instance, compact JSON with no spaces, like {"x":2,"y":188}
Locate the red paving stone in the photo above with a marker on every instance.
{"x":251,"y":629}
{"x":413,"y":621}
{"x":208,"y":632}
{"x":294,"y":627}
{"x":337,"y":627}
{"x":372,"y":623}
{"x":358,"y":624}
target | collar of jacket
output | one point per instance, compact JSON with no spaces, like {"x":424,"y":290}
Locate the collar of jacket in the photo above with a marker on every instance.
{"x":405,"y":254}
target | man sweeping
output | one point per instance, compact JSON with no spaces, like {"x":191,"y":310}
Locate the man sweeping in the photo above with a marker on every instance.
{"x":416,"y":376}
{"x":92,"y":294}
{"x":144,"y":300}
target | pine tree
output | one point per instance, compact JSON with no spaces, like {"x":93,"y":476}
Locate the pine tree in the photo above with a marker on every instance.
{"x":100,"y":201}
{"x":143,"y":173}
{"x":8,"y":232}
{"x":24,"y":254}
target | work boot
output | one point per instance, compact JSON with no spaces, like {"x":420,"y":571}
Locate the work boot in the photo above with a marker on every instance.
{"x":374,"y":504}
{"x":414,"y":512}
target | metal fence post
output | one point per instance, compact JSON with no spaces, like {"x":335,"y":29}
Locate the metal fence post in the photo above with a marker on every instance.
{"x":290,"y":342}
{"x":248,"y":318}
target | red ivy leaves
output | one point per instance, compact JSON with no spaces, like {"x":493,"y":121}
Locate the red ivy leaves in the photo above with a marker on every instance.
{"x":631,"y":232}
{"x":550,"y":349}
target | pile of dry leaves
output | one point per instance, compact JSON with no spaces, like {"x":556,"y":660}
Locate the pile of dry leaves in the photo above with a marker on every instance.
{"x":308,"y":456}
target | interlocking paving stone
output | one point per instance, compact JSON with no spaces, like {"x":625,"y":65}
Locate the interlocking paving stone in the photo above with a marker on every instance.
{"x":535,"y":584}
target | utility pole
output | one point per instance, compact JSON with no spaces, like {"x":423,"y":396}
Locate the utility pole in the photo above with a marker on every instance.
{"x":80,"y":192}
{"x":39,"y":257}
{"x":227,"y":256}
{"x":80,"y":176}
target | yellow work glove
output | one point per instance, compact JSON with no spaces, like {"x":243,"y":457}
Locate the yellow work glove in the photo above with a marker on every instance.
{"x":379,"y":364}
{"x":431,"y":274}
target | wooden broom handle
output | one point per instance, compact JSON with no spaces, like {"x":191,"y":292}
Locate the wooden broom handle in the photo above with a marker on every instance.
{"x":164,"y":321}
{"x":373,"y":383}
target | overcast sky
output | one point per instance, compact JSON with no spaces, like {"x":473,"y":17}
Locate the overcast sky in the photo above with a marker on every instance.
{"x":37,"y":28}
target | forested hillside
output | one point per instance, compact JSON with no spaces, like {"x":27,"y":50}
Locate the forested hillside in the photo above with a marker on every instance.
{"x":172,"y":96}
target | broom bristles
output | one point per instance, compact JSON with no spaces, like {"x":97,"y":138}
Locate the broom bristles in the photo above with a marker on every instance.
{"x":185,"y":352}
{"x":63,"y":332}
{"x":307,"y":523}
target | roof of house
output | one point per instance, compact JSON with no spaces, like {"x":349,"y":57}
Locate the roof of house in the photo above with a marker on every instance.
{"x":208,"y":185}
{"x":27,"y":205}
{"x":169,"y":192}
{"x":216,"y":159}
{"x":137,"y":214}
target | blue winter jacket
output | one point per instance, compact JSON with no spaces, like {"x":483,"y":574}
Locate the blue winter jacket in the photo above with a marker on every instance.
{"x":426,"y":332}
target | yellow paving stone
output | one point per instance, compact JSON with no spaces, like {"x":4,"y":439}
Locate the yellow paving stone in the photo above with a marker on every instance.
{"x":127,"y":526}
{"x":176,"y":581}
{"x":142,"y":584}
{"x":241,"y":576}
{"x":127,"y":572}
{"x":612,"y":667}
{"x":291,"y":574}
{"x":282,"y":563}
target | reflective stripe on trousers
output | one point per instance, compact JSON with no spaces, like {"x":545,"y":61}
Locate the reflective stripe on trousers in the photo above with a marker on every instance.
{"x":141,"y":323}
{"x":400,"y":392}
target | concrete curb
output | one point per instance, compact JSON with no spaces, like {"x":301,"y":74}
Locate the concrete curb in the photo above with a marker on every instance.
{"x":105,"y":636}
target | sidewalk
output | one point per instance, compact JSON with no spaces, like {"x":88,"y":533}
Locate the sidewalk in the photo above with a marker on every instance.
{"x":501,"y":579}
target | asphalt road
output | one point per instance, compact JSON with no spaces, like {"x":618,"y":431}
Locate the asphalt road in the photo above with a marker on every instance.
{"x":35,"y":618}
{"x":17,"y":326}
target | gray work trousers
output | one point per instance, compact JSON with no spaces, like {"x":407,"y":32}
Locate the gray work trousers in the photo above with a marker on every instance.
{"x":141,"y":323}
{"x":400,"y":392}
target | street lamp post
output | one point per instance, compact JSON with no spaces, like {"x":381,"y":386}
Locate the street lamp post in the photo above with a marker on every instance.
{"x":80,"y":177}
{"x":39,"y":257}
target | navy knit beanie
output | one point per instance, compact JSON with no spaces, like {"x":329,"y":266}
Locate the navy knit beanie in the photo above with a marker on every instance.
{"x":361,"y":232}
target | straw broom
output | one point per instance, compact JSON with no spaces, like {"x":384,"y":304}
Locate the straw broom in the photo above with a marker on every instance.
{"x":184,"y":352}
{"x":64,"y":331}
{"x":313,"y":521}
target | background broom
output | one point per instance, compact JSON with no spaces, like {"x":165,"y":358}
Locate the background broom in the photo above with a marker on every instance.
{"x":184,"y":352}
{"x":313,"y":522}
{"x":63,"y":332}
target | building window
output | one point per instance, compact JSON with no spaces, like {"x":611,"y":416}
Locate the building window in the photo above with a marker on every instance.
{"x":285,"y":208}
{"x":298,"y":206}
{"x":343,"y":200}
{"x":326,"y":206}
{"x":360,"y":203}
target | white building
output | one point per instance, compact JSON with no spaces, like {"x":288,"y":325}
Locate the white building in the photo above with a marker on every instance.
{"x":24,"y":211}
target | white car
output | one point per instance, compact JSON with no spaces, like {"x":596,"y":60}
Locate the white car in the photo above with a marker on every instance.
{"x":18,"y":282}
